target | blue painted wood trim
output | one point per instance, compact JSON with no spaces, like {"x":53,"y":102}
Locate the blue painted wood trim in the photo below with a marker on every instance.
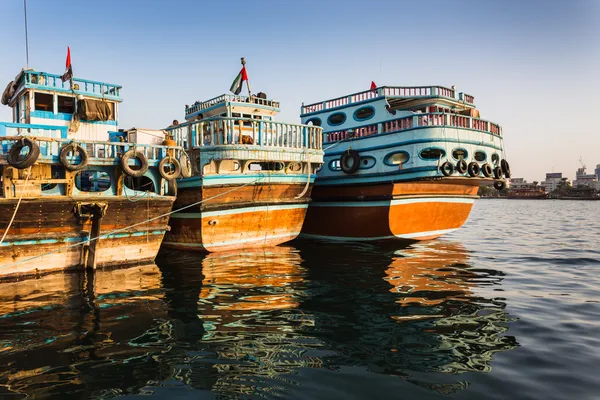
{"x":342,"y":107}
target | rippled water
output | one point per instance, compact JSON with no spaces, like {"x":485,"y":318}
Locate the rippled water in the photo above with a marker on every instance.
{"x":506,"y":307}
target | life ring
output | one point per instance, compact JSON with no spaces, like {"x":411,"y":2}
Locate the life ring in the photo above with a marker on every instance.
{"x":461,"y":166}
{"x":447,"y":168}
{"x":350,"y":161}
{"x":505,"y":168}
{"x":136,"y":173}
{"x":497,"y":173}
{"x":499,"y":185}
{"x":14,"y":154}
{"x":73,"y":148}
{"x":166,"y":172}
{"x":186,"y":165}
{"x":487,"y":170}
{"x":473,"y":169}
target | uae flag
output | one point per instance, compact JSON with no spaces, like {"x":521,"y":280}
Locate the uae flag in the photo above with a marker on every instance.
{"x":236,"y":86}
{"x":69,"y":70}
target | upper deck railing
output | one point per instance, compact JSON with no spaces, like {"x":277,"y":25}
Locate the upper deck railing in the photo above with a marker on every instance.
{"x":390,"y":91}
{"x":416,"y":121}
{"x":51,"y":140}
{"x":44,"y":80}
{"x":224,"y":98}
{"x":249,"y":132}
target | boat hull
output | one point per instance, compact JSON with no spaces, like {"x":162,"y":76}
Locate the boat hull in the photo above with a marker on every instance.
{"x":418,"y":210}
{"x":47,"y":234}
{"x":237,"y":217}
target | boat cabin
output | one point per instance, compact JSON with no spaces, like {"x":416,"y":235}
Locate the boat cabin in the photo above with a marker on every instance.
{"x":89,"y":109}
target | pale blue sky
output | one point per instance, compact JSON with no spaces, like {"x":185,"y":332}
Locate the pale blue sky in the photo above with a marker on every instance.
{"x":533,"y":66}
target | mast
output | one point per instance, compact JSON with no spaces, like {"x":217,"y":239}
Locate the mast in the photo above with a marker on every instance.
{"x":26,"y":39}
{"x":247,"y":80}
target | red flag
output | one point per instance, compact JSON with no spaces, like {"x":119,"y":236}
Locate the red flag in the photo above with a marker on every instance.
{"x":69,"y":70}
{"x":373,"y":86}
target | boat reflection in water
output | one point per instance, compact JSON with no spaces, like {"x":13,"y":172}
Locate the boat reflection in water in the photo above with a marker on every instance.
{"x":253,"y":323}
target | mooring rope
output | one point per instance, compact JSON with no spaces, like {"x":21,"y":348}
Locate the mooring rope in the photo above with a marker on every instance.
{"x":130,"y":226}
{"x":17,"y":207}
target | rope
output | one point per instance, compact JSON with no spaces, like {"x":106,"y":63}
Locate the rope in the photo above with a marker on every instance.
{"x":17,"y":207}
{"x":130,"y":226}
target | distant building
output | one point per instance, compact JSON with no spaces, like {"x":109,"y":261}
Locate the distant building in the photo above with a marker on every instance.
{"x":597,"y":171}
{"x":585,"y":180}
{"x":552,"y":181}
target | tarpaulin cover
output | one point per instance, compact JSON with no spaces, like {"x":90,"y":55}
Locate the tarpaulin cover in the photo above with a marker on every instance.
{"x":94,"y":110}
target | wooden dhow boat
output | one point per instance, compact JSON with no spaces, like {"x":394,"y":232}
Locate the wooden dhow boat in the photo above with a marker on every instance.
{"x":401,"y":163}
{"x":251,"y":176}
{"x":74,"y":190}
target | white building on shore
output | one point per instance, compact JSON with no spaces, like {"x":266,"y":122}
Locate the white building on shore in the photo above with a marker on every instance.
{"x":552,"y":181}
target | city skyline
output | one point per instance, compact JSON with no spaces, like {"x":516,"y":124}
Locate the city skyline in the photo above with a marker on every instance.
{"x":531,"y":66}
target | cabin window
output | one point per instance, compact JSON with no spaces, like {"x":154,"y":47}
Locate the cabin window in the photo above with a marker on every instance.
{"x":314,"y":121}
{"x":364,"y":113}
{"x":480,"y":156}
{"x":337,"y":118}
{"x":397,"y":158}
{"x":142,"y":184}
{"x":44,"y":102}
{"x":459,"y":154}
{"x":335,"y":165}
{"x":266,"y":166}
{"x":65,"y":104}
{"x":92,"y":181}
{"x":229,"y":166}
{"x":495,"y":158}
{"x":432,"y":154}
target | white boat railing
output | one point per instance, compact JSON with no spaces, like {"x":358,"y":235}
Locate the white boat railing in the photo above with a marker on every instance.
{"x":389,"y":91}
{"x":199,"y":106}
{"x":416,"y":121}
{"x":251,"y":132}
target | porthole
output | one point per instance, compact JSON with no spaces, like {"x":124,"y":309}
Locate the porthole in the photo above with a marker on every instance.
{"x":143,"y":183}
{"x":314,"y":121}
{"x":367,"y":162}
{"x":480,"y":156}
{"x":459,"y":154}
{"x":432,"y":153}
{"x":337,"y":118}
{"x":495,"y":158}
{"x":397,"y":158}
{"x":364,"y":113}
{"x":266,"y":166}
{"x":334,"y":165}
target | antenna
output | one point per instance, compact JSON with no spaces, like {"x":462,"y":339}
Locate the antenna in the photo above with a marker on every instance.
{"x":26,"y":39}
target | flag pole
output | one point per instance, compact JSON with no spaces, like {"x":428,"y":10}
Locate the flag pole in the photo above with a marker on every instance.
{"x":26,"y":39}
{"x":247,"y":80}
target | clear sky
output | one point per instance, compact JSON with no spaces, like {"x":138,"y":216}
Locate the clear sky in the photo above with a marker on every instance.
{"x":533,"y":66}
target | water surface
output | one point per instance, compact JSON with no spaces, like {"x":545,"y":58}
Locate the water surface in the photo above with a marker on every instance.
{"x":506,"y":307}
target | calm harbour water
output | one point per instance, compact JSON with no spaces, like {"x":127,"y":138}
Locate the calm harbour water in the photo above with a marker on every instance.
{"x":506,"y":307}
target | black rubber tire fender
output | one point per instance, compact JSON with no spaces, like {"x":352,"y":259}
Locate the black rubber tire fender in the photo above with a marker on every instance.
{"x":186,"y":165}
{"x":487,"y":170}
{"x":447,"y":168}
{"x":497,"y":173}
{"x":167,"y":174}
{"x":505,"y":168}
{"x":461,"y":166}
{"x":15,"y":151}
{"x":136,"y":173}
{"x":350,"y":155}
{"x":499,"y":185}
{"x":73,"y":148}
{"x":473,"y":169}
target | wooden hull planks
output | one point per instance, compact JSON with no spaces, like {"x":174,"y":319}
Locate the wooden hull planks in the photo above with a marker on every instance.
{"x":46,"y":233}
{"x":252,"y":216}
{"x":401,"y":211}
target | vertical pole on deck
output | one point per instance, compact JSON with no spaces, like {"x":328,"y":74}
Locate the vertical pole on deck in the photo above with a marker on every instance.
{"x":26,"y":38}
{"x":247,"y":80}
